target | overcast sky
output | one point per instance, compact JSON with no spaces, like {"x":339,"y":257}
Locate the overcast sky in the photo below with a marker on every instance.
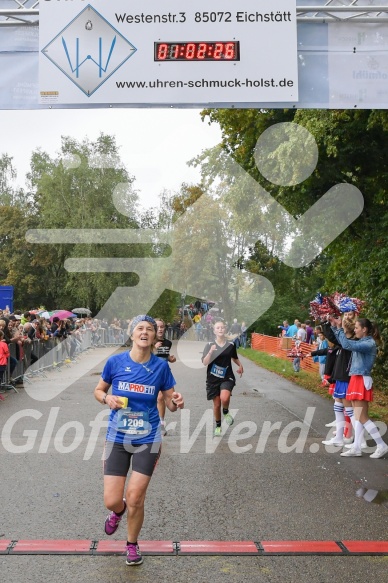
{"x":155,"y":144}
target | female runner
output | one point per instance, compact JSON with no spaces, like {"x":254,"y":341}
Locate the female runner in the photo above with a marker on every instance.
{"x":133,"y":434}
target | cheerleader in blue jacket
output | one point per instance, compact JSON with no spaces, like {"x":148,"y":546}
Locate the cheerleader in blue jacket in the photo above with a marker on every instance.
{"x":360,"y":389}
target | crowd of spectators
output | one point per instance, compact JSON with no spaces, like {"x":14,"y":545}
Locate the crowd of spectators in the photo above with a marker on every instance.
{"x":20,"y":331}
{"x":302,"y":331}
{"x":200,"y":318}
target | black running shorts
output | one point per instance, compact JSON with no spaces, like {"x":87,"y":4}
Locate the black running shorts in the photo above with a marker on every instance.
{"x":117,"y":458}
{"x":214,"y":389}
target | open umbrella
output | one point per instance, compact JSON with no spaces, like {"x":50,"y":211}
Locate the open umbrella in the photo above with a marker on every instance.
{"x":45,"y":314}
{"x":81,"y":311}
{"x":63,"y":314}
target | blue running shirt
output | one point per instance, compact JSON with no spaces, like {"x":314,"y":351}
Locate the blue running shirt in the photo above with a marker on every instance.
{"x":141,"y":385}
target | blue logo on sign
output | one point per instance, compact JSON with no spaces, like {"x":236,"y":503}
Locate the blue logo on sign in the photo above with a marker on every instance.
{"x":89,"y":50}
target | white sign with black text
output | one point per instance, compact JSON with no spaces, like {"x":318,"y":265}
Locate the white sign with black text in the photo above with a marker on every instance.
{"x":167,"y":51}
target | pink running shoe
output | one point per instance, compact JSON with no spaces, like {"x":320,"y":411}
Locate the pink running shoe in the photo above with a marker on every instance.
{"x":113,"y":520}
{"x":133,"y":555}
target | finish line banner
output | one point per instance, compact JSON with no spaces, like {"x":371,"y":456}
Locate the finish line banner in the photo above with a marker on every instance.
{"x":167,"y":51}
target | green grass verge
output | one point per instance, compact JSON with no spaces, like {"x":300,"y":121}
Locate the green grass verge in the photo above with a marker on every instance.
{"x":309,"y":381}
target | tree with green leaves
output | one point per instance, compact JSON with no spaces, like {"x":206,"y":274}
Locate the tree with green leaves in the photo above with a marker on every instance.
{"x":76,"y":190}
{"x":352,"y":146}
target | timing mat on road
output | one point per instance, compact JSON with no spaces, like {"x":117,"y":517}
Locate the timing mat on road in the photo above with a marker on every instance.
{"x":187,"y":548}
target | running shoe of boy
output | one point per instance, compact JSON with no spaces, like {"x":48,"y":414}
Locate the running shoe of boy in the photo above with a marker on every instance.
{"x":229,"y":419}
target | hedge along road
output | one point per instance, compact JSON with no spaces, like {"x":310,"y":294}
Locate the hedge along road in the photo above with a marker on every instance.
{"x":268,"y":478}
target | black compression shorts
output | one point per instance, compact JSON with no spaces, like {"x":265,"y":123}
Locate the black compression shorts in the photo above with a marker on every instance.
{"x":117,"y":458}
{"x":214,"y":389}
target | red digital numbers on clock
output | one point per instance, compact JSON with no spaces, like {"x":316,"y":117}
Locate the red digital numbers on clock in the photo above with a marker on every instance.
{"x":197,"y":51}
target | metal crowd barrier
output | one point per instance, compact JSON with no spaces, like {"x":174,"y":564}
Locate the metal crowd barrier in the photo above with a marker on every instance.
{"x":41,"y":355}
{"x":112,"y":336}
{"x":54,"y":353}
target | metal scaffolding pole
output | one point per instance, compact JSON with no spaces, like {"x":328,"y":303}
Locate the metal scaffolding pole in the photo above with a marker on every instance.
{"x":350,"y":11}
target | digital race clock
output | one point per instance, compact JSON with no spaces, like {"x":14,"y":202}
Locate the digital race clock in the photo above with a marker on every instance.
{"x":197,"y":51}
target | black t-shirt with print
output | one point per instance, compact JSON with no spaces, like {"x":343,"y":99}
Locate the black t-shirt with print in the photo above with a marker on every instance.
{"x":164,"y":350}
{"x":220,"y":367}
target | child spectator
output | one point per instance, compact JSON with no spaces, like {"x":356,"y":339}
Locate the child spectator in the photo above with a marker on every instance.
{"x":321,"y":352}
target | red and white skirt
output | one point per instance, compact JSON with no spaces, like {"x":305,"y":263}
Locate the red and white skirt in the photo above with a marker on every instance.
{"x":357,"y":391}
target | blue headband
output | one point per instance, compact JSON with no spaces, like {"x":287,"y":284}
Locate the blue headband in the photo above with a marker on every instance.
{"x":142,"y":318}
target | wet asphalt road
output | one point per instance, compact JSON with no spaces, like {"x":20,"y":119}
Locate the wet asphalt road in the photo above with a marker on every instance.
{"x":268,"y":478}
